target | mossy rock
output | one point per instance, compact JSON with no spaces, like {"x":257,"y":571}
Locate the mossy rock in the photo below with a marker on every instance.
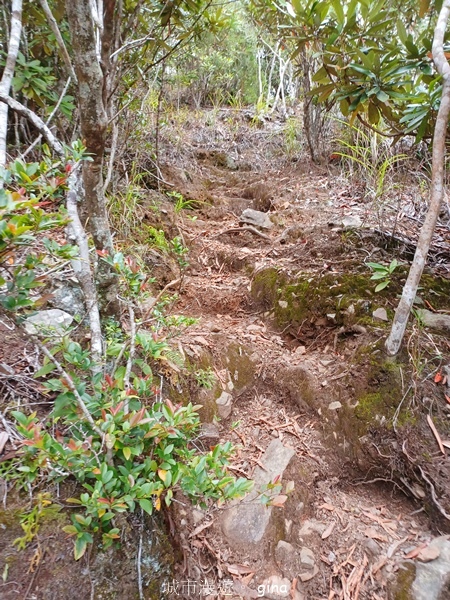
{"x":240,"y":366}
{"x":401,"y":588}
{"x":300,"y":385}
{"x":347,"y":298}
{"x":265,"y":284}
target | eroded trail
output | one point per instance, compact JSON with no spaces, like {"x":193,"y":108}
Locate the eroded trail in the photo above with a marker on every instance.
{"x":283,"y":392}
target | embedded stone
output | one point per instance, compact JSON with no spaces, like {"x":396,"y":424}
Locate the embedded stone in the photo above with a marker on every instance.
{"x":46,"y":322}
{"x":224,"y":405}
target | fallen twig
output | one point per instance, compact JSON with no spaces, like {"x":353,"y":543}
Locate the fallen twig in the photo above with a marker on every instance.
{"x":245,"y":228}
{"x":436,"y":434}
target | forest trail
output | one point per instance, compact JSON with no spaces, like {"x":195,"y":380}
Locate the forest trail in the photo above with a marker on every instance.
{"x":354,"y":528}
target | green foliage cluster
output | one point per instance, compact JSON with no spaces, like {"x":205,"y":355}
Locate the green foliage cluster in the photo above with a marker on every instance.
{"x":373,"y":58}
{"x":220,"y":65}
{"x":136,"y":449}
{"x":382,"y":273}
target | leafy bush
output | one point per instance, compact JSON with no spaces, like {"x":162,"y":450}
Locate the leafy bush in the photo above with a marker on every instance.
{"x":110,"y":428}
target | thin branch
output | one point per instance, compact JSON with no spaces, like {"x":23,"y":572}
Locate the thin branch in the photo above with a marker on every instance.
{"x":139,"y":558}
{"x":36,"y":121}
{"x":404,"y":307}
{"x":131,"y":354}
{"x":59,"y":40}
{"x":8,"y":72}
{"x":439,"y":506}
{"x":71,"y":385}
{"x":115,"y":137}
{"x":132,"y":44}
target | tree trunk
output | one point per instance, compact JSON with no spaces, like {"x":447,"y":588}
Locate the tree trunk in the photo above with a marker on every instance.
{"x":93,"y":130}
{"x":437,"y":189}
{"x":8,"y":73}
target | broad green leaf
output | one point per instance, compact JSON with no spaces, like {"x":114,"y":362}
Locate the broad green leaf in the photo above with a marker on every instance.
{"x":382,"y":285}
{"x":339,"y":11}
{"x":146,"y":505}
{"x":45,"y":370}
{"x":80,"y":547}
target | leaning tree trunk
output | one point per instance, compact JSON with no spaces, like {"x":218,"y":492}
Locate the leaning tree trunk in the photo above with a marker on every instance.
{"x":93,"y":130}
{"x":8,"y":73}
{"x":437,"y":188}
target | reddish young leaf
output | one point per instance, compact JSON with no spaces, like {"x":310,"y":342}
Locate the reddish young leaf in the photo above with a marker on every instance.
{"x":438,"y":377}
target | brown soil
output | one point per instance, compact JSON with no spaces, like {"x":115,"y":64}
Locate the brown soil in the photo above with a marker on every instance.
{"x":362,"y":520}
{"x":374,"y":519}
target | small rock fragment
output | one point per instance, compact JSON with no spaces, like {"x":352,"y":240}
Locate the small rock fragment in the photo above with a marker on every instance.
{"x":351,"y":222}
{"x":256,"y":218}
{"x":434,"y":320}
{"x":283,"y":303}
{"x":224,"y":405}
{"x":209,"y":432}
{"x":307,"y":557}
{"x":46,"y":321}
{"x":309,"y":527}
{"x":380,"y":314}
{"x":334,"y":405}
{"x":309,"y":574}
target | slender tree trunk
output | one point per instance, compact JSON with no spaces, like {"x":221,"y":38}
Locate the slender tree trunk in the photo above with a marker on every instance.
{"x":8,"y":73}
{"x":308,"y":123}
{"x":437,"y":189}
{"x":93,"y":130}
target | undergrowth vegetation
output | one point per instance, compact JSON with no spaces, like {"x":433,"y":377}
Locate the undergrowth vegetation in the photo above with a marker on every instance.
{"x":111,"y":429}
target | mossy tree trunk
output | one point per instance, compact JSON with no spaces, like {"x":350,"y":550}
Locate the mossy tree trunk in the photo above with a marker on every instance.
{"x":93,"y":121}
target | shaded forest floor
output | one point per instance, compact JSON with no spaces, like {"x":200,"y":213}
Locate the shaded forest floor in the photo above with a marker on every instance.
{"x":349,"y":506}
{"x":286,"y":329}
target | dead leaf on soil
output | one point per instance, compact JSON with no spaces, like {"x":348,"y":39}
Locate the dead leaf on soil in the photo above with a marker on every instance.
{"x":415,"y":551}
{"x":201,"y":528}
{"x":201,"y":340}
{"x":394,"y":547}
{"x":372,"y":533}
{"x":247,"y":579}
{"x":240,"y":570}
{"x":327,"y":506}
{"x":309,"y":574}
{"x":436,"y":434}
{"x":290,"y":486}
{"x":428,"y":554}
{"x":328,"y":531}
{"x":438,"y":377}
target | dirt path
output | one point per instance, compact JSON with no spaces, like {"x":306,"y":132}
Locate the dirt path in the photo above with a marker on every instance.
{"x":356,"y":528}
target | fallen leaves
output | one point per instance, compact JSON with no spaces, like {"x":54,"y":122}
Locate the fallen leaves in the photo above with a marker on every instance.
{"x":329,"y":530}
{"x":372,"y":533}
{"x":436,"y":434}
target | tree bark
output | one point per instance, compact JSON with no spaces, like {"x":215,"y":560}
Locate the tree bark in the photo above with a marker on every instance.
{"x":8,"y":73}
{"x":82,"y":269}
{"x":93,"y":130}
{"x":395,"y":338}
